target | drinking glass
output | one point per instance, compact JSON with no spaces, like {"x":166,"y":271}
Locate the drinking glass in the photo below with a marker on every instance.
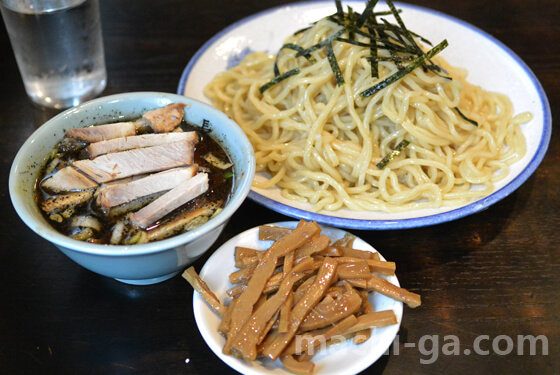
{"x":58,"y":46}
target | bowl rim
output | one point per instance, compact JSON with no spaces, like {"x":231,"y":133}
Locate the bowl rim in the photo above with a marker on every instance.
{"x":47,"y":232}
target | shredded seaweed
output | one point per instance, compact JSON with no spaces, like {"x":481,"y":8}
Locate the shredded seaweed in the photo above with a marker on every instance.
{"x":373,"y":50}
{"x":367,"y":13}
{"x":404,"y":31}
{"x":299,"y":49}
{"x":296,"y":48}
{"x":393,"y":154}
{"x":303,"y":30}
{"x":278,"y":79}
{"x":405,"y":70}
{"x":465,"y":117}
{"x":339,"y":10}
{"x":398,"y":43}
{"x":322,"y":44}
{"x":334,"y":65}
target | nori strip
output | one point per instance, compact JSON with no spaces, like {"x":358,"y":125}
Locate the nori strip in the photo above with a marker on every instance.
{"x":339,"y":10}
{"x":321,"y":44}
{"x":407,"y":35}
{"x":405,"y":70}
{"x":278,"y":79}
{"x":397,"y":40}
{"x":296,"y":48}
{"x":465,"y":117}
{"x":334,"y":65}
{"x":367,"y":13}
{"x":373,"y":50}
{"x":393,"y":154}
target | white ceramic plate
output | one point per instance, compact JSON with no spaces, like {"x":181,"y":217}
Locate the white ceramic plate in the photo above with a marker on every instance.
{"x":490,"y":63}
{"x":339,"y":359}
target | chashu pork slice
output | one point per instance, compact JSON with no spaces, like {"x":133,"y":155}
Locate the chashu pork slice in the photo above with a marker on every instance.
{"x":120,"y":193}
{"x":137,"y":141}
{"x":65,"y":201}
{"x":68,"y":179}
{"x":170,"y":201}
{"x":163,"y":120}
{"x":99,"y":133}
{"x":123,"y":164}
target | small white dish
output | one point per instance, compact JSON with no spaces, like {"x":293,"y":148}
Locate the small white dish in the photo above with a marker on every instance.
{"x":339,"y":359}
{"x":490,"y":63}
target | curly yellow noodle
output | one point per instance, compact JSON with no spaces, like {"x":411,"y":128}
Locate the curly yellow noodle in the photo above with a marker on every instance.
{"x":320,"y":142}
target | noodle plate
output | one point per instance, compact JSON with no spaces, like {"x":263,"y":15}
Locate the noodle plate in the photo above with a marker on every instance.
{"x":321,"y":142}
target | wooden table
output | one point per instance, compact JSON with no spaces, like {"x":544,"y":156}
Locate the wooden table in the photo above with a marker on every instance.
{"x":485,"y":279}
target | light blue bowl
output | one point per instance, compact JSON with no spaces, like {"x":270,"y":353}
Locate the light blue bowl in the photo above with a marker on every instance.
{"x":137,"y":264}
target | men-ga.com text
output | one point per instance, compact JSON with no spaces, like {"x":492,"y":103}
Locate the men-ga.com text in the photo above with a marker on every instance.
{"x":432,"y":346}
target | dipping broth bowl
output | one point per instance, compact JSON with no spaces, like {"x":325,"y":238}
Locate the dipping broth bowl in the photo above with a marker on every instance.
{"x":151,"y":262}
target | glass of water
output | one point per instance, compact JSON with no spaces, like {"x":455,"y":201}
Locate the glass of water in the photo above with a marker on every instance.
{"x":58,"y":46}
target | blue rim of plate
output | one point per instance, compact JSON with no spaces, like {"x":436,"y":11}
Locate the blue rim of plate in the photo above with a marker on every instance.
{"x":415,"y":222}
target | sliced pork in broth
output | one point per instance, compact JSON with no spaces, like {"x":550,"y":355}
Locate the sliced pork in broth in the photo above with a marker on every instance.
{"x":135,"y":181}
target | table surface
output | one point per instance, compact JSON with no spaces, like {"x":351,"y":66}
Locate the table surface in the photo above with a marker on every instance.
{"x":489,"y":278}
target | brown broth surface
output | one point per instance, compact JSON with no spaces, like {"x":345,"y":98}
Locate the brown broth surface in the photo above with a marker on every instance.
{"x":220,"y":183}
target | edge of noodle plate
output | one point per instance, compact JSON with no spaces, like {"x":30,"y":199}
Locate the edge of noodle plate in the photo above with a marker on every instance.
{"x":227,"y":48}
